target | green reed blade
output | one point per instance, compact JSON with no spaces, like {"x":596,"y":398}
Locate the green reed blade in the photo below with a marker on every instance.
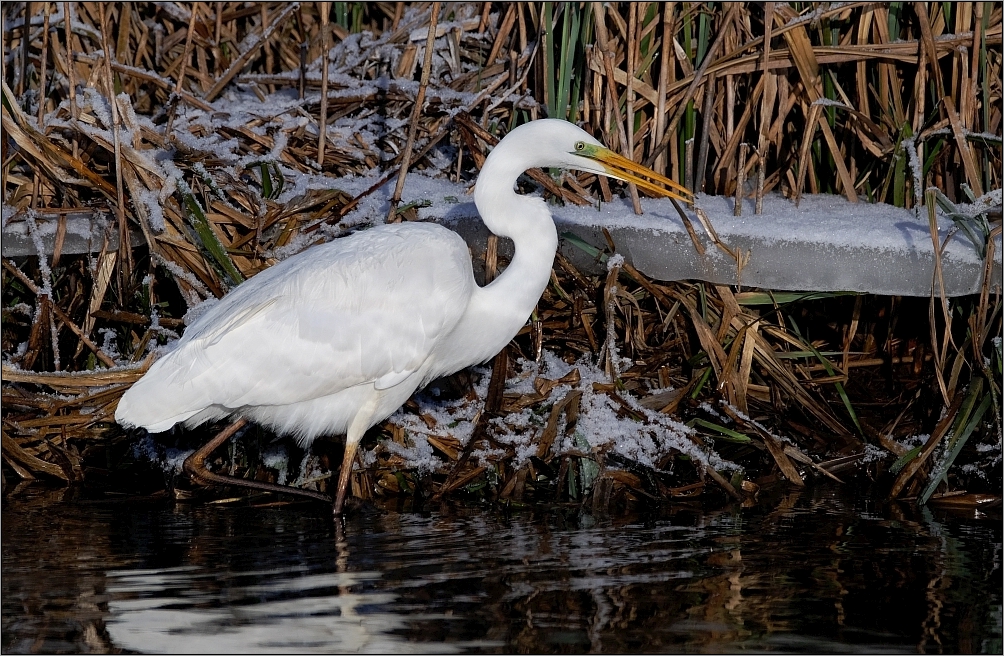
{"x":727,"y":434}
{"x":783,"y":298}
{"x":703,"y":34}
{"x":797,"y":355}
{"x":206,"y":236}
{"x":584,"y":246}
{"x":547,"y":43}
{"x":830,"y":372}
{"x":959,"y":437}
{"x":904,"y":459}
{"x":566,"y":66}
{"x":700,"y":385}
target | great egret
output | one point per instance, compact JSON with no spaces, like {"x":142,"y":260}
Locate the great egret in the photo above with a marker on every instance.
{"x":335,"y":339}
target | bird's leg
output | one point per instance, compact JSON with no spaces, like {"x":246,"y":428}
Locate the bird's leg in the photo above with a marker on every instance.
{"x":195,"y":464}
{"x":352,"y":438}
{"x":345,"y":473}
{"x":195,"y":467}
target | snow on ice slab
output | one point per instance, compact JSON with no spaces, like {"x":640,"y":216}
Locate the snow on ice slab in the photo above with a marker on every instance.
{"x":85,"y":233}
{"x":825,"y":244}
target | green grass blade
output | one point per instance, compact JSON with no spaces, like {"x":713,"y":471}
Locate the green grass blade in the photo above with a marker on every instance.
{"x":797,"y":355}
{"x":727,"y":434}
{"x":584,"y":246}
{"x":703,"y":35}
{"x":831,"y":372}
{"x":933,"y":156}
{"x":700,"y":385}
{"x":357,"y":17}
{"x":782,"y":298}
{"x":342,"y":14}
{"x":564,"y":78}
{"x":847,"y":402}
{"x":206,"y":236}
{"x":963,"y":428}
{"x":585,"y":37}
{"x":904,"y":459}
{"x":588,"y":468}
{"x":569,"y":32}
{"x":547,"y":36}
{"x":280,"y":181}
{"x":895,"y":11}
{"x":266,"y":181}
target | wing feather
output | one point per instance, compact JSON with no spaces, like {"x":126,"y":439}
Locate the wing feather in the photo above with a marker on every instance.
{"x":367,"y":308}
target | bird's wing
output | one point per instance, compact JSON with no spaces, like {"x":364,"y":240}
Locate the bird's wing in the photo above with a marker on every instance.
{"x":369,"y":308}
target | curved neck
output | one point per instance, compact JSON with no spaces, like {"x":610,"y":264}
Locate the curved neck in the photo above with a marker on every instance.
{"x":503,"y":306}
{"x":525,"y":220}
{"x":535,"y":240}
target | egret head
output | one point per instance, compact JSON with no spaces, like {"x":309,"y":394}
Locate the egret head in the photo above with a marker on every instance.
{"x":555,"y":143}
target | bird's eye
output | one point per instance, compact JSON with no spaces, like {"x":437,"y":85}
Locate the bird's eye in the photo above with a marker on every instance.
{"x":579,"y":145}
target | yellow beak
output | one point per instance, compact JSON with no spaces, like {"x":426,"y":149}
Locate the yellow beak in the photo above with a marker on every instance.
{"x":624,"y":169}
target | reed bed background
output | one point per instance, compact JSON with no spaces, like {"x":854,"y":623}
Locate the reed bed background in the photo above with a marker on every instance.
{"x":878,"y":102}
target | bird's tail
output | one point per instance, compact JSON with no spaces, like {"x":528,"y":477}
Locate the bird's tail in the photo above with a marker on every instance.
{"x":158,"y":401}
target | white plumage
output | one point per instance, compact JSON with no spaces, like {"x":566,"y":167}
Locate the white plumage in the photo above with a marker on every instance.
{"x":367,"y":310}
{"x":333,"y":340}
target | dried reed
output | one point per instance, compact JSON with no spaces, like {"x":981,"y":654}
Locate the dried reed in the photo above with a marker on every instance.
{"x":848,"y":98}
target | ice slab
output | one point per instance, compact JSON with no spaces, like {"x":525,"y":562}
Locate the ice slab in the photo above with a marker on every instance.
{"x":825,"y":244}
{"x":85,"y":233}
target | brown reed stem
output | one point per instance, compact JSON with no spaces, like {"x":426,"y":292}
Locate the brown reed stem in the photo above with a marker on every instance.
{"x":125,"y":262}
{"x":33,"y":288}
{"x":322,"y":121}
{"x":613,"y":105}
{"x":707,"y":120}
{"x":430,"y":42}
{"x":185,"y":57}
{"x":740,"y":180}
{"x":632,"y":58}
{"x":269,"y":57}
{"x":803,"y":157}
{"x":246,"y":56}
{"x":71,"y":71}
{"x":698,"y":78}
{"x":667,"y":64}
{"x":43,"y":64}
{"x":766,"y":103}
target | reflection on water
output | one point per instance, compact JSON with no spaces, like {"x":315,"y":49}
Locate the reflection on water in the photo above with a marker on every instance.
{"x":812,"y":572}
{"x":172,"y":611}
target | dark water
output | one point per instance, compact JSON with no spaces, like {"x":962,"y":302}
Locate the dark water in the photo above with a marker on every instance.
{"x":816,"y":571}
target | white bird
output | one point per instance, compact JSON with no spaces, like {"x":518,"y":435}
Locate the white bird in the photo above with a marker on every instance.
{"x":335,"y":339}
